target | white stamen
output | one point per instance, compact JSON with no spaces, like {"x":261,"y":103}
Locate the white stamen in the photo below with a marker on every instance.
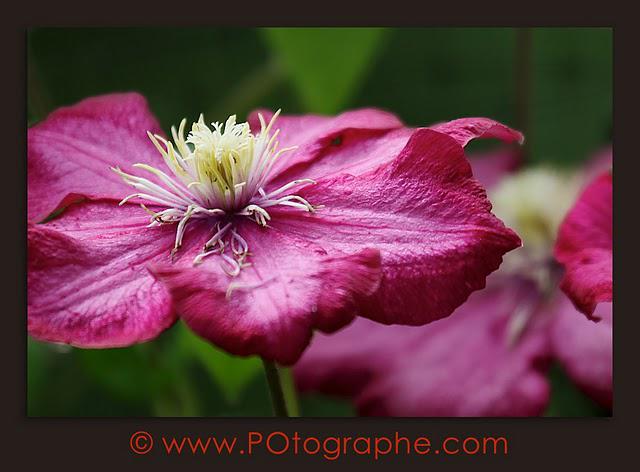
{"x":217,"y":172}
{"x":216,"y":238}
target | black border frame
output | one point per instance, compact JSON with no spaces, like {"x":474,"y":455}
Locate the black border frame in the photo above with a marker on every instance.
{"x":588,"y":444}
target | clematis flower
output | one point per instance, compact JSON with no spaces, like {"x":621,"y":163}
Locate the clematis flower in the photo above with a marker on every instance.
{"x":490,"y":357}
{"x":585,"y":246}
{"x":476,"y":362}
{"x":256,"y":234}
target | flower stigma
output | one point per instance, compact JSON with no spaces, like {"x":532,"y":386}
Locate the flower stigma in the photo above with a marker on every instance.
{"x":216,"y":172}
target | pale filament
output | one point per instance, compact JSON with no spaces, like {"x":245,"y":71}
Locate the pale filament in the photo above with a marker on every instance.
{"x":216,"y":172}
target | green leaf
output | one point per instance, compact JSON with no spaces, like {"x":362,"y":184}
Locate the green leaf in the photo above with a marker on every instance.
{"x":230,"y":373}
{"x":572,"y":95}
{"x":316,"y":405}
{"x":36,"y":373}
{"x":326,"y":65}
{"x":132,"y":373}
{"x":567,"y":400}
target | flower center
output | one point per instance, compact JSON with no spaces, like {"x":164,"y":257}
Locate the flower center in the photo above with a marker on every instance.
{"x":216,"y":172}
{"x":522,"y":202}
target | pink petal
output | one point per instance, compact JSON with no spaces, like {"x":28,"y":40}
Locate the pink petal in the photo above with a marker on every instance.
{"x":70,"y":153}
{"x":428,"y":217}
{"x":464,"y":130}
{"x":358,"y":139}
{"x":600,"y":162}
{"x":489,"y":168}
{"x":585,"y":246}
{"x":585,"y":348}
{"x":87,"y":279}
{"x":272,"y":307}
{"x":470,"y":364}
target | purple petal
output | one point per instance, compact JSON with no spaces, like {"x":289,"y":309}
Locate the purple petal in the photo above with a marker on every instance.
{"x":585,"y":348}
{"x":71,"y":152}
{"x":273,"y":306}
{"x":491,"y":167}
{"x":352,"y":142}
{"x":87,"y":279}
{"x":430,"y":219}
{"x":473,"y":363}
{"x":585,"y":246}
{"x":464,"y":130}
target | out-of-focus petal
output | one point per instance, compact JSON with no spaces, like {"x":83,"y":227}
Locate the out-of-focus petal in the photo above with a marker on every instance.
{"x":601,"y":161}
{"x":71,"y":152}
{"x":87,"y":279}
{"x":585,"y":348}
{"x":585,"y":246}
{"x":489,"y":168}
{"x":488,"y":359}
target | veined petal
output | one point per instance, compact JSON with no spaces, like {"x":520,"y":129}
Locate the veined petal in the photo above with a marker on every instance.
{"x":464,"y":130}
{"x":471,"y":364}
{"x":428,"y":217}
{"x":70,"y":153}
{"x":272,"y":307}
{"x":585,"y":246}
{"x":87,"y":279}
{"x":585,"y":348}
{"x":357,"y":139}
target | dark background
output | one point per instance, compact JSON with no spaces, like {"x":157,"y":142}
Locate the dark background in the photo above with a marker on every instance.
{"x":559,"y":90}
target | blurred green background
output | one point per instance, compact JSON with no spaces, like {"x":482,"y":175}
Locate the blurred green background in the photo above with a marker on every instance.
{"x":559,"y":90}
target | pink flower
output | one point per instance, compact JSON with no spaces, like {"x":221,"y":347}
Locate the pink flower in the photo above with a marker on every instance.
{"x":364,"y":216}
{"x":585,"y":246}
{"x":491,"y":356}
{"x":473,"y":363}
{"x":585,"y":348}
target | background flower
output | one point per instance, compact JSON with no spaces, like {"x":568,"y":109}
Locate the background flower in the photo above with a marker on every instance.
{"x":585,"y":246}
{"x":489,"y":358}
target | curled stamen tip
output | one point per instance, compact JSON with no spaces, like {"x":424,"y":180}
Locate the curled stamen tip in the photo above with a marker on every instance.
{"x":230,"y":290}
{"x":231,"y":273}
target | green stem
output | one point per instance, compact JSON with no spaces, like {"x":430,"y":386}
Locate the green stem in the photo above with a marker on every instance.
{"x":281,"y":389}
{"x":289,"y":388}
